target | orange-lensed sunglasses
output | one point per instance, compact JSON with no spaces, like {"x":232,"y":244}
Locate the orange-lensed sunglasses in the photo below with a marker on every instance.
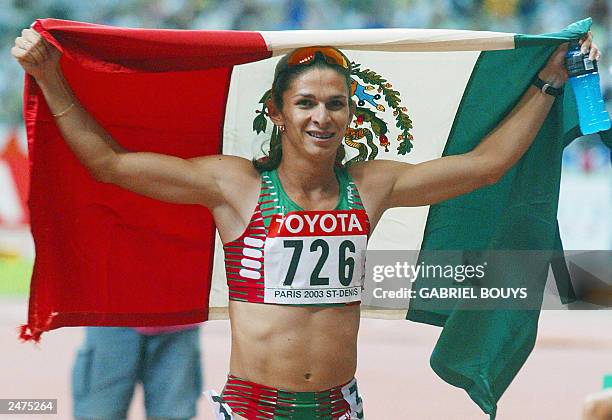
{"x":307,"y":55}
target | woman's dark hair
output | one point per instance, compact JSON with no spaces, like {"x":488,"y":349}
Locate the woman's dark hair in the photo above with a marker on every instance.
{"x":283,"y":76}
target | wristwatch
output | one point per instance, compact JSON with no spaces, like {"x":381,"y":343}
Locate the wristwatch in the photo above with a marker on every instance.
{"x":546,"y":88}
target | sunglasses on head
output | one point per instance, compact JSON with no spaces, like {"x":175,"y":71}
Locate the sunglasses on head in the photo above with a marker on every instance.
{"x":307,"y":55}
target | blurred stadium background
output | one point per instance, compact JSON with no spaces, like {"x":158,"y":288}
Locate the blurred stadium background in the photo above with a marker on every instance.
{"x":586,"y":190}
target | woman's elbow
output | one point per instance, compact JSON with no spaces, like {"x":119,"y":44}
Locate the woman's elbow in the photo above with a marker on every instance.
{"x":103,"y":171}
{"x":493,"y":176}
{"x":488,"y":172}
{"x":101,"y":176}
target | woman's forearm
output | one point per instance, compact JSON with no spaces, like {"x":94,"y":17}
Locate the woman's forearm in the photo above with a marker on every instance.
{"x":503,"y":147}
{"x":92,"y":145}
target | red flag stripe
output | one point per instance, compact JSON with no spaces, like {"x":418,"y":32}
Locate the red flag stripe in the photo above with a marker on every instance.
{"x":106,"y":256}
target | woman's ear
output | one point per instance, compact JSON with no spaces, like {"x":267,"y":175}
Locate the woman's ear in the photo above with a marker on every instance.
{"x":274,"y":113}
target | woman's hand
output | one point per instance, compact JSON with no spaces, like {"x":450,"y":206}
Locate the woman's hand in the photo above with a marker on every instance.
{"x":37,"y":57}
{"x":554,"y":72}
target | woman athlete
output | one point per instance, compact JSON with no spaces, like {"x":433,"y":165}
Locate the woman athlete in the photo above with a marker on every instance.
{"x":285,"y":305}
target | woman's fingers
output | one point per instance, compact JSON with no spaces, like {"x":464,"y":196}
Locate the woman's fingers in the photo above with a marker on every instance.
{"x":35,"y":54}
{"x":587,"y":46}
{"x":19,"y":53}
{"x":21,"y":50}
{"x":35,"y":44}
{"x":594,"y":54}
{"x":45,"y":46}
{"x":31,"y":48}
{"x":22,"y":43}
{"x":31,"y":35}
{"x":585,"y":42}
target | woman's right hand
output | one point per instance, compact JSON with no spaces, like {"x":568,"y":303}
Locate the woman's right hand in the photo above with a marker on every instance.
{"x":37,"y":56}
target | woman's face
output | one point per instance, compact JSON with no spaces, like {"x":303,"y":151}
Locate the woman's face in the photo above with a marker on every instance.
{"x":316,"y":112}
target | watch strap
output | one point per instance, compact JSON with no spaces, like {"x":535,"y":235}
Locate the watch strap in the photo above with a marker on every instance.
{"x":545,"y":87}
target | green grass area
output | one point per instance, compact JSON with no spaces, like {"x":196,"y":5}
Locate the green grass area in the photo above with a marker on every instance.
{"x":15,"y":276}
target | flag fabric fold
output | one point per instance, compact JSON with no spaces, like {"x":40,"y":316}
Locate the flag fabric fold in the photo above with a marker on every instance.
{"x":105,"y":256}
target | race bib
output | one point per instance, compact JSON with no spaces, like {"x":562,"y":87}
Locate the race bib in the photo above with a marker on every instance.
{"x":314,"y":257}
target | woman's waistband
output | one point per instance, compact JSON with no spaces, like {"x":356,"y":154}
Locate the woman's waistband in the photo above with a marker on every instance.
{"x":255,"y":400}
{"x":236,"y":379}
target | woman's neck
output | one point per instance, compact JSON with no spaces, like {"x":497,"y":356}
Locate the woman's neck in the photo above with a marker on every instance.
{"x":306,"y":177}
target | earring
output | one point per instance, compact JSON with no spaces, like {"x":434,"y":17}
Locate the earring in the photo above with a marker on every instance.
{"x":281,"y":128}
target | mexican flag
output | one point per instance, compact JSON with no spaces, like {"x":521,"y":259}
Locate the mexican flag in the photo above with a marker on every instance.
{"x":105,"y":256}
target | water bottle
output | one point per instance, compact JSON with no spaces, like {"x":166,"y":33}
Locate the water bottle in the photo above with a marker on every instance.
{"x":584,"y":79}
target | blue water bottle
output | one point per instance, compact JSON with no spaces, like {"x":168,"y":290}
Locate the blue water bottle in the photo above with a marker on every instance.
{"x":584,"y":79}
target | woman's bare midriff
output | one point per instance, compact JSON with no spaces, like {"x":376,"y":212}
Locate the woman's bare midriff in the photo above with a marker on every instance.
{"x":294,"y":348}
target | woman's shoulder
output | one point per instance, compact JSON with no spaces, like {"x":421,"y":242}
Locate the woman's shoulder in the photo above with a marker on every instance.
{"x":228,"y":166}
{"x":374,"y":180}
{"x":232,"y":175}
{"x":372,"y":170}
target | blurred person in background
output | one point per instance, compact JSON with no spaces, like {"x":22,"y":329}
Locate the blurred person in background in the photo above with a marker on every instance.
{"x":113,"y":360}
{"x":598,"y":406}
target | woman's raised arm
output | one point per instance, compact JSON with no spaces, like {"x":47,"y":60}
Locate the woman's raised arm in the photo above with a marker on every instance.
{"x":430,"y":182}
{"x":163,"y":177}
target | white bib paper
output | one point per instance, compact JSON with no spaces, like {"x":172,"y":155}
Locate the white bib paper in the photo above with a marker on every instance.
{"x":315,"y":258}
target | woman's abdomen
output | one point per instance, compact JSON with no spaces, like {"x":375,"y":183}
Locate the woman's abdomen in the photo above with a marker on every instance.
{"x":294,"y":348}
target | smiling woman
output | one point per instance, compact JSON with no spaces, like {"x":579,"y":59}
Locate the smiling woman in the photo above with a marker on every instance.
{"x":334,"y":96}
{"x":295,"y":227}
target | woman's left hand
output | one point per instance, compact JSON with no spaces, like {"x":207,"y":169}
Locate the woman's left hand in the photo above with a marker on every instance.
{"x":554,"y":72}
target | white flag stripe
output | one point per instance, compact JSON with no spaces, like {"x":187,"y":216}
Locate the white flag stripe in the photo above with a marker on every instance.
{"x":418,"y":77}
{"x":280,"y":42}
{"x":219,"y":293}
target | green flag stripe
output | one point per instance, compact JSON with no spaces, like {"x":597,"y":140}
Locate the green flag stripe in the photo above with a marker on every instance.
{"x":517,"y":213}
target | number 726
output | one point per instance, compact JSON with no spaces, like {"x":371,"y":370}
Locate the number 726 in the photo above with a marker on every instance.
{"x":346,"y":265}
